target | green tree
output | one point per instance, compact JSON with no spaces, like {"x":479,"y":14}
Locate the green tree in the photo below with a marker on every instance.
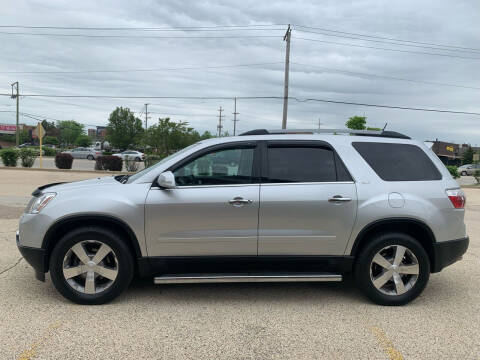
{"x":356,"y":123}
{"x":69,"y":130}
{"x":83,"y":140}
{"x":467,"y":157}
{"x":50,"y":128}
{"x":168,"y":136}
{"x":124,"y":130}
{"x":51,"y":140}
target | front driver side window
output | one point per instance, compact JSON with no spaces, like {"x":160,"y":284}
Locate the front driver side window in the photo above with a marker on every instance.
{"x":220,"y":167}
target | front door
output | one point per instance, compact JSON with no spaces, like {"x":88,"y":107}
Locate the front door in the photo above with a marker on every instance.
{"x":308,"y":201}
{"x":214,"y":208}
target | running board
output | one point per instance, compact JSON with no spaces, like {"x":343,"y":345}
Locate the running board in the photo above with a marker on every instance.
{"x":241,"y":278}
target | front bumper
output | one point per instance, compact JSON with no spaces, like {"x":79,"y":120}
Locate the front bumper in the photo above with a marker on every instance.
{"x":448,"y":252}
{"x":35,"y":257}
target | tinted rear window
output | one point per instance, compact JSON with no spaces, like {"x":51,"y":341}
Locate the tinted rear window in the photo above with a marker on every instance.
{"x":301,"y":164}
{"x":398,"y":162}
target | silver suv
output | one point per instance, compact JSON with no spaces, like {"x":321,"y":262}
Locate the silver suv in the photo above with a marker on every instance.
{"x":265,"y":206}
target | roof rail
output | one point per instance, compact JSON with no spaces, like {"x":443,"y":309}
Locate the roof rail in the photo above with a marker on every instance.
{"x":379,"y":133}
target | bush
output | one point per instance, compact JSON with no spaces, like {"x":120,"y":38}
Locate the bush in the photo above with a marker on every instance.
{"x":107,"y":153}
{"x":28,"y":157}
{"x":453,"y":171}
{"x":130,"y":164}
{"x":109,"y":162}
{"x":47,"y":151}
{"x":152,"y":160}
{"x":9,"y":157}
{"x":63,"y":161}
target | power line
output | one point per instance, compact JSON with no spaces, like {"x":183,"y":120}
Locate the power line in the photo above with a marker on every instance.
{"x":140,"y":36}
{"x":388,"y":42}
{"x":140,"y":70}
{"x":396,"y":50}
{"x":177,"y":28}
{"x":386,"y":38}
{"x":387,"y":106}
{"x":386,"y":77}
{"x":255,"y":98}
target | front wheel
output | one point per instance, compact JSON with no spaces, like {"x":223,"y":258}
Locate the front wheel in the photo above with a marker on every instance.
{"x":90,"y":157}
{"x":464,"y":173}
{"x":393,"y":269}
{"x":91,"y":266}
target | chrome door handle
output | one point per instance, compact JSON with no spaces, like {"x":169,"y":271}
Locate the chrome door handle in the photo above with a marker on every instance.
{"x":239,"y":201}
{"x":339,"y":198}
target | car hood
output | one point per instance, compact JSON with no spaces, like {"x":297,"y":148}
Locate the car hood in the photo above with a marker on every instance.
{"x":59,"y":187}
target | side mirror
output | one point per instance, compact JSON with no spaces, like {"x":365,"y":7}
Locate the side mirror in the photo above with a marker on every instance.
{"x":166,"y":180}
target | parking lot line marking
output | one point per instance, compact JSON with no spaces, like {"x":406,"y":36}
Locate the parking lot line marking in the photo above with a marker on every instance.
{"x":31,"y":352}
{"x":386,"y":344}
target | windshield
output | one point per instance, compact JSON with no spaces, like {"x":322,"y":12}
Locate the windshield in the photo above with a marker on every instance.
{"x":139,"y":174}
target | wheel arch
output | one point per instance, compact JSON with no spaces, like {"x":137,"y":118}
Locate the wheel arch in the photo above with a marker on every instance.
{"x":64,"y":225}
{"x":413,"y":227}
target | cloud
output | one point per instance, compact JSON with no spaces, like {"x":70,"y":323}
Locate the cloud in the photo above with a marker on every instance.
{"x":427,"y":21}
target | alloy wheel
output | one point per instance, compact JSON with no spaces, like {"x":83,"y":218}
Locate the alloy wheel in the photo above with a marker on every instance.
{"x":394,"y":270}
{"x":90,"y":267}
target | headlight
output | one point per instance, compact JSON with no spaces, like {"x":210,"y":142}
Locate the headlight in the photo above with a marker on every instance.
{"x":38,"y":203}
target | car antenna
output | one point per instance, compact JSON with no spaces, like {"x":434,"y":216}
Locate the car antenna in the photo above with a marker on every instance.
{"x":385,"y":126}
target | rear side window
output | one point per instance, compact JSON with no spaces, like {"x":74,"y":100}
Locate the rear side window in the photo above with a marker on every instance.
{"x":398,"y":162}
{"x":290,"y":164}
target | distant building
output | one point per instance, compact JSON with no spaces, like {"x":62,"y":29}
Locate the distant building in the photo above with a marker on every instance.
{"x":449,"y":153}
{"x":92,"y":133}
{"x":101,"y":132}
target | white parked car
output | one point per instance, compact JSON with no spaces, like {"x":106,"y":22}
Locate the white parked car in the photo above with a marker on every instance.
{"x":132,"y":155}
{"x":84,"y":153}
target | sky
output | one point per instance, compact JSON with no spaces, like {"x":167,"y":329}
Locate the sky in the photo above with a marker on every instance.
{"x":240,"y":52}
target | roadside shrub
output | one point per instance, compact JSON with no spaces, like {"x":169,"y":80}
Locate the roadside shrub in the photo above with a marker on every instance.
{"x":28,"y":157}
{"x":47,"y":151}
{"x":130,"y":164}
{"x":152,"y":160}
{"x":476,"y":175}
{"x":453,"y":171}
{"x":63,"y":161}
{"x":9,"y":157}
{"x":109,"y":162}
{"x":107,"y":153}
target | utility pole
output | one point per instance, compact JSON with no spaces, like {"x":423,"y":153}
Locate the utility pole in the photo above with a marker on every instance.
{"x":235,"y":113}
{"x":287,"y":69}
{"x":17,"y":132}
{"x":319,"y":123}
{"x":220,"y":126}
{"x":146,"y":117}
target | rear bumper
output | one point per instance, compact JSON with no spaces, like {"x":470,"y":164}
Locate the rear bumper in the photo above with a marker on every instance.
{"x":35,"y":257}
{"x":448,"y":252}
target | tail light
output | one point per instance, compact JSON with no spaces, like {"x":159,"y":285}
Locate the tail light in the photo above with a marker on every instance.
{"x":457,"y":197}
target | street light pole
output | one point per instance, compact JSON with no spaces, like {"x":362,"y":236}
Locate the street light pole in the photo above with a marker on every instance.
{"x":287,"y":69}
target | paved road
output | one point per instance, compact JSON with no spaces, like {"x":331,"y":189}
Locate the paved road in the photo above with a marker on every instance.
{"x":78,"y":164}
{"x":232,"y":321}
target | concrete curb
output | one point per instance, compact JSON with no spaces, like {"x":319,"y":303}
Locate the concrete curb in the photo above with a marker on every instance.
{"x":67,"y":170}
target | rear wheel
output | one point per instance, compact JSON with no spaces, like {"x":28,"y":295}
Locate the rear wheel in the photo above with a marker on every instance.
{"x":137,"y":159}
{"x":464,"y":173}
{"x":393,"y":269}
{"x":91,"y":266}
{"x":90,"y":157}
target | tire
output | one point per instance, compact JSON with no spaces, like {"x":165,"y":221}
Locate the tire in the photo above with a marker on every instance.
{"x":392,"y":293}
{"x":117,"y":265}
{"x":464,"y":173}
{"x":137,"y":159}
{"x":90,"y":157}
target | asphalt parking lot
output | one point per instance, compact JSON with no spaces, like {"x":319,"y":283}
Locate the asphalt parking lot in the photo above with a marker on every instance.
{"x":231,"y":321}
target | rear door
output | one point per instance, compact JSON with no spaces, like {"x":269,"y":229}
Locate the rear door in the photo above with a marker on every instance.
{"x":308,"y":200}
